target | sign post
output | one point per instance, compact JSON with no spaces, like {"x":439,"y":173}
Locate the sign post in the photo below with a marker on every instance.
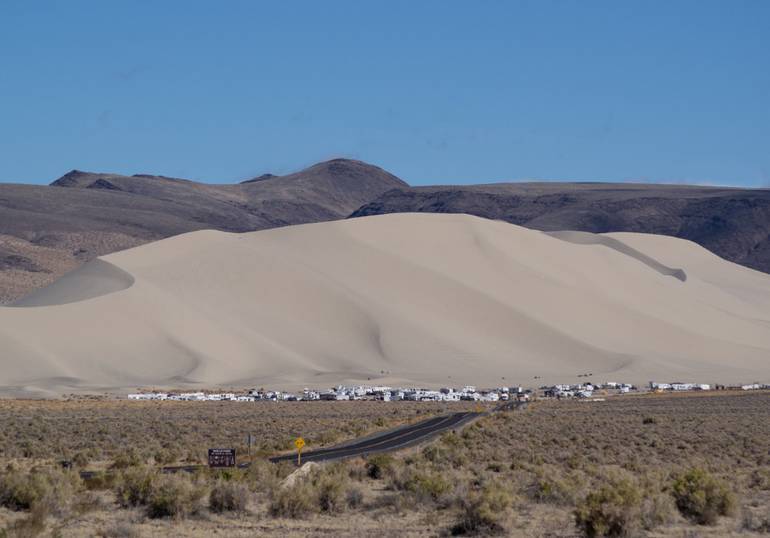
{"x":249,"y":441}
{"x":299,"y":442}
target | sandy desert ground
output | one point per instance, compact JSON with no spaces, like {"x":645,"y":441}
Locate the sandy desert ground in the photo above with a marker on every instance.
{"x":405,"y":298}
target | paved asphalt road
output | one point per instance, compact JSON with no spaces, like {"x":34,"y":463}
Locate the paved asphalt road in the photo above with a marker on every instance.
{"x":387,"y":441}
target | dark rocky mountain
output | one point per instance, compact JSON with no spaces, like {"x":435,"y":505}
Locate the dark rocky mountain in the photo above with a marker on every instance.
{"x":733,"y":223}
{"x":48,"y":230}
{"x":263,"y":177}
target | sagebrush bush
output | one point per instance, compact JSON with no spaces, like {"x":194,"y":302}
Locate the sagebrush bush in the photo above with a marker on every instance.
{"x":482,"y":514}
{"x":81,"y":459}
{"x":20,"y":490}
{"x":425,"y":486}
{"x":702,"y":498}
{"x":30,"y":526}
{"x":135,"y":486}
{"x":760,"y":479}
{"x":549,"y":486}
{"x":163,"y":495}
{"x":331,"y":493}
{"x":51,"y":490}
{"x":759,"y":523}
{"x":294,"y":502}
{"x":451,"y":439}
{"x":166,"y":456}
{"x":355,"y":497}
{"x":326,"y":489}
{"x":379,"y":466}
{"x":174,"y":496}
{"x":127,"y":458}
{"x":612,"y":510}
{"x":657,"y":509}
{"x":101,"y":480}
{"x":433,"y":453}
{"x":356,"y":469}
{"x":263,"y":476}
{"x":228,"y":496}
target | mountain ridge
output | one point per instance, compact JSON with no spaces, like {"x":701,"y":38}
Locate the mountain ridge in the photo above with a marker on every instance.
{"x":731,"y":222}
{"x":82,"y":215}
{"x":46,"y":231}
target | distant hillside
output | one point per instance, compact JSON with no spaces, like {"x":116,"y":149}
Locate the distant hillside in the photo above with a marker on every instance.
{"x":733,"y":223}
{"x":48,"y":230}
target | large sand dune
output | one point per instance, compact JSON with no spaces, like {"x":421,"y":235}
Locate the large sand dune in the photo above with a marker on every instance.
{"x":414,"y":298}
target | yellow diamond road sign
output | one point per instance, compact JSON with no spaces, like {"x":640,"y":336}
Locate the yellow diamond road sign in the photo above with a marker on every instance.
{"x":299,"y":443}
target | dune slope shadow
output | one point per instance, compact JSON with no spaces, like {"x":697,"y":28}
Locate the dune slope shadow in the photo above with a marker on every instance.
{"x":587,"y":238}
{"x":93,"y":279}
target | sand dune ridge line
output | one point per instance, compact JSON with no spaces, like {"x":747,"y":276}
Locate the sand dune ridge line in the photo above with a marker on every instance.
{"x":428,"y":299}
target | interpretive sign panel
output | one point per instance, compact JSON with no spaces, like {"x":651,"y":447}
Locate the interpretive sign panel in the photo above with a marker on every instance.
{"x":221,"y":457}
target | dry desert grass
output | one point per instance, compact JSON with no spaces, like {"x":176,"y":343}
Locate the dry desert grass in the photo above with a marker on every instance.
{"x":98,"y":432}
{"x":655,"y":465}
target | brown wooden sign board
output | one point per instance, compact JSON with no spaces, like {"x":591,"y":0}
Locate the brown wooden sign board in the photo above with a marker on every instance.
{"x":221,"y":457}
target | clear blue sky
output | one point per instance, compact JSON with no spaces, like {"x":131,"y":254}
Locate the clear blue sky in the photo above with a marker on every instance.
{"x":435,"y":91}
